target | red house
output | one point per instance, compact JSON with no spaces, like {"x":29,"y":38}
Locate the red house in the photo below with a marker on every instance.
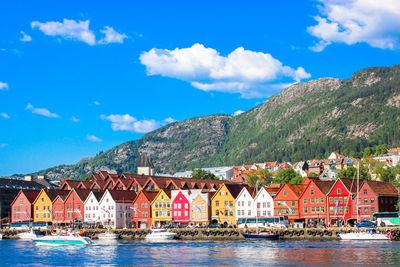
{"x":286,"y":202}
{"x":59,"y":207}
{"x":21,"y":207}
{"x":180,"y":206}
{"x":373,"y":197}
{"x":340,"y":201}
{"x":141,"y":212}
{"x":74,"y":208}
{"x":313,"y":206}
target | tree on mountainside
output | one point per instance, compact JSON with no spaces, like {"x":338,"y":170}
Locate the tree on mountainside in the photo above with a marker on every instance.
{"x":351,"y":172}
{"x":264,"y":178}
{"x":367,"y":152}
{"x":202,"y":174}
{"x":388,"y":174}
{"x":381,"y":149}
{"x":288,"y":176}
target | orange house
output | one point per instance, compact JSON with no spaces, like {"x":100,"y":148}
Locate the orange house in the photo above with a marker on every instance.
{"x":286,"y":202}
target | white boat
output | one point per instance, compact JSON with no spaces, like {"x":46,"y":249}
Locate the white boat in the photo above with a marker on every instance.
{"x":369,"y":235}
{"x":108,"y":236}
{"x":29,"y":235}
{"x":66,"y":239}
{"x":159,"y":235}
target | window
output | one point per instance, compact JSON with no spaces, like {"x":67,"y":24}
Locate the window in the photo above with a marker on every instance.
{"x":312,"y":200}
{"x":217,"y":204}
{"x":347,"y":209}
{"x":340,"y":209}
{"x":230,"y":204}
{"x":372,"y":210}
{"x":179,"y":213}
{"x":264,"y":204}
{"x":243,"y":203}
{"x":305,"y":209}
{"x":312,"y":209}
{"x":322,"y":209}
{"x":264,"y":213}
{"x":186,"y":206}
{"x":312,"y":192}
{"x":285,"y":193}
{"x":336,"y":200}
{"x":226,"y":213}
{"x":278,"y":203}
{"x":249,"y":213}
{"x":339,"y":191}
{"x":305,"y":201}
{"x":331,"y":210}
{"x":44,"y":207}
{"x":279,"y":212}
{"x":317,"y":201}
{"x":268,"y":204}
{"x":156,"y":205}
{"x":42,"y":199}
{"x":216,"y":212}
{"x":359,"y":200}
{"x":317,"y":209}
{"x":365,"y":192}
{"x":372,"y":200}
{"x":345,"y":199}
{"x":293,"y":203}
{"x":331,"y":200}
{"x":366,"y":201}
{"x":249,"y":203}
{"x":366,"y":210}
{"x":136,"y":205}
{"x":186,"y":213}
{"x":321,"y":200}
{"x":226,"y":203}
{"x":156,"y":213}
{"x":79,"y":207}
{"x":340,"y":200}
{"x":269,"y":213}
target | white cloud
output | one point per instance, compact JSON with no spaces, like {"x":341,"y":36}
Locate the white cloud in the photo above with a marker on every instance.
{"x":355,"y":21}
{"x":252,"y":74}
{"x":3,"y":145}
{"x":41,"y":111}
{"x":74,"y":119}
{"x":170,"y":120}
{"x":238,"y":112}
{"x":93,"y":138}
{"x":3,"y":86}
{"x":128,"y":123}
{"x":78,"y":30}
{"x":25,"y":37}
{"x":96,"y":103}
{"x":111,"y":36}
{"x":4,"y":115}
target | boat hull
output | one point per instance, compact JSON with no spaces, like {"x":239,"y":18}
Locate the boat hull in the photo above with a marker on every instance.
{"x":363,"y":236}
{"x":261,"y":236}
{"x":63,"y":240}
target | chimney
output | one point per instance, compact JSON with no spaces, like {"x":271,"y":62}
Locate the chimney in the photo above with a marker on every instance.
{"x":28,"y":178}
{"x":41,"y":177}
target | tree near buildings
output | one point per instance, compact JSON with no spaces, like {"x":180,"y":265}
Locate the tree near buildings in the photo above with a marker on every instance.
{"x":288,"y":176}
{"x":202,"y":174}
{"x":351,"y":172}
{"x":312,"y":175}
{"x":263,"y":176}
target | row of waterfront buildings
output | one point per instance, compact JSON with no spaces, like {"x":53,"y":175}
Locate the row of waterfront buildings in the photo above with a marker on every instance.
{"x":142,"y":201}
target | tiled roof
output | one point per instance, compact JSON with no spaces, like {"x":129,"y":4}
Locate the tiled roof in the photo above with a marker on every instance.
{"x":31,"y":194}
{"x":351,"y":184}
{"x":63,"y":194}
{"x":297,"y":188}
{"x":123,"y":195}
{"x":19,"y":184}
{"x":83,"y":193}
{"x":98,"y":195}
{"x":150,"y":195}
{"x":383,"y":188}
{"x":234,"y":189}
{"x":324,"y":186}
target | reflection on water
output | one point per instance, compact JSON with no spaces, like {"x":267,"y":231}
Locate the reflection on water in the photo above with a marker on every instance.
{"x":203,"y":253}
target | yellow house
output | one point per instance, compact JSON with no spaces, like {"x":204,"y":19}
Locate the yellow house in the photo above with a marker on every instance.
{"x":161,"y":208}
{"x":223,"y":204}
{"x":43,"y":206}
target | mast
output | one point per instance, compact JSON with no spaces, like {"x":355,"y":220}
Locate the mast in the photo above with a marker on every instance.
{"x":358,"y":186}
{"x":256,"y":206}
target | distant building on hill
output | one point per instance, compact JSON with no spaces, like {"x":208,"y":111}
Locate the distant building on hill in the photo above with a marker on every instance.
{"x":146,"y":166}
{"x":222,"y":173}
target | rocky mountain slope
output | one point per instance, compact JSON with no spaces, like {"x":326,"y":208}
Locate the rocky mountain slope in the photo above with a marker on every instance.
{"x":304,"y":121}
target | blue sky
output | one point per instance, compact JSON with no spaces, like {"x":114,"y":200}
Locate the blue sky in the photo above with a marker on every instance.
{"x":79,"y":77}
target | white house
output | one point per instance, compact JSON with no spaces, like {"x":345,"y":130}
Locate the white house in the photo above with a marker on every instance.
{"x":114,"y":207}
{"x":264,"y":203}
{"x":92,"y":210}
{"x":244,"y":203}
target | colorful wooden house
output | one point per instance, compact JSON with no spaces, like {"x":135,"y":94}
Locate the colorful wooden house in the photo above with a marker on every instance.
{"x":142,"y":209}
{"x":223,"y":204}
{"x":313,"y":205}
{"x":43,"y":205}
{"x":339,"y":200}
{"x":59,"y":207}
{"x":92,"y":208}
{"x":115,"y":208}
{"x":22,"y":206}
{"x":200,"y":208}
{"x":180,"y":204}
{"x":74,"y":205}
{"x":161,"y":209}
{"x":286,"y":202}
{"x":375,"y":196}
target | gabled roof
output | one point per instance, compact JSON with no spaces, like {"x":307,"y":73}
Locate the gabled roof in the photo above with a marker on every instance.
{"x":29,"y":194}
{"x":123,"y":196}
{"x":125,"y":183}
{"x":324,"y":186}
{"x":81,"y":193}
{"x":85,"y":184}
{"x":149,"y":195}
{"x":235,"y":189}
{"x":382,"y":188}
{"x":297,"y":189}
{"x":62,"y":194}
{"x":100,"y":184}
{"x":69,"y":184}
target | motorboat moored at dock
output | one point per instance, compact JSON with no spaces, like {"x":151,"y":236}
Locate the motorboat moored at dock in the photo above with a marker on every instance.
{"x":159,"y":235}
{"x":66,"y":239}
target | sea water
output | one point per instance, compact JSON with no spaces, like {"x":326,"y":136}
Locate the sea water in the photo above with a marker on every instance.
{"x":202,"y":253}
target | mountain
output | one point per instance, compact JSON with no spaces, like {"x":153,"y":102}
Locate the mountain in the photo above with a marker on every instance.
{"x":304,"y":121}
